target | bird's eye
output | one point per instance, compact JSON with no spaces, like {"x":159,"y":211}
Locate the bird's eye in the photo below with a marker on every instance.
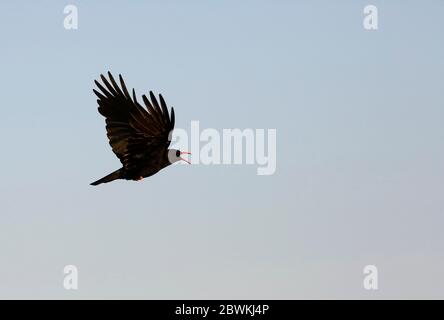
{"x":177,"y":153}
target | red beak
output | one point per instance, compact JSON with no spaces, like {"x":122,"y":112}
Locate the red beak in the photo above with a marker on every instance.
{"x":183,"y":158}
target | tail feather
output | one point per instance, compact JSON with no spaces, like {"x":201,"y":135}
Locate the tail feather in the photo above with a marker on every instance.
{"x":111,"y":177}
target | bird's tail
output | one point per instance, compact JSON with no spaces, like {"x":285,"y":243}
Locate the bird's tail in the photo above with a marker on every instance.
{"x":112,"y":176}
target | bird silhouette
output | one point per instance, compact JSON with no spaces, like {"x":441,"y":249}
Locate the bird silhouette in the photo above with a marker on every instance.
{"x":139,"y":137}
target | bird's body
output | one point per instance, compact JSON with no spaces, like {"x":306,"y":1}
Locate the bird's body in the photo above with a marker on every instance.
{"x":139,"y":137}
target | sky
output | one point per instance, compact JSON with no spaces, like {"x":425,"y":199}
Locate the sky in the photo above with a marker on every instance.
{"x":359,"y":148}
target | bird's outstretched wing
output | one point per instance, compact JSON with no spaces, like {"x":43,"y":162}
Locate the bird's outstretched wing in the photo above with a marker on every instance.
{"x":134,"y":132}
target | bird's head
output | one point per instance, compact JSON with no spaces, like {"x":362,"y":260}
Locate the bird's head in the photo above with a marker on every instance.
{"x":174,"y":155}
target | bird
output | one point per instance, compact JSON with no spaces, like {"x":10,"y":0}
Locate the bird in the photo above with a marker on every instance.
{"x":138,"y":136}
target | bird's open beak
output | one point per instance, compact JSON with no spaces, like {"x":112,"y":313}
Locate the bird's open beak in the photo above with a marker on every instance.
{"x":183,"y":158}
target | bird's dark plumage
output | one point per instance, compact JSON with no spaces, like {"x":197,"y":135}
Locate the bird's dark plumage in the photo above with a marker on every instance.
{"x":138,"y":136}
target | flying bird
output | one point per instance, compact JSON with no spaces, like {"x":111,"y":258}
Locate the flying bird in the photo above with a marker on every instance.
{"x":139,"y":136}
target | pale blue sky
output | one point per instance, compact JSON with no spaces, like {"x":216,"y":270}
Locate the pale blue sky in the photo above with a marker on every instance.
{"x":360,"y":157}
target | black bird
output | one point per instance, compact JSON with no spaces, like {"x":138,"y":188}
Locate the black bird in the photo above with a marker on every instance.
{"x":139,"y":137}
